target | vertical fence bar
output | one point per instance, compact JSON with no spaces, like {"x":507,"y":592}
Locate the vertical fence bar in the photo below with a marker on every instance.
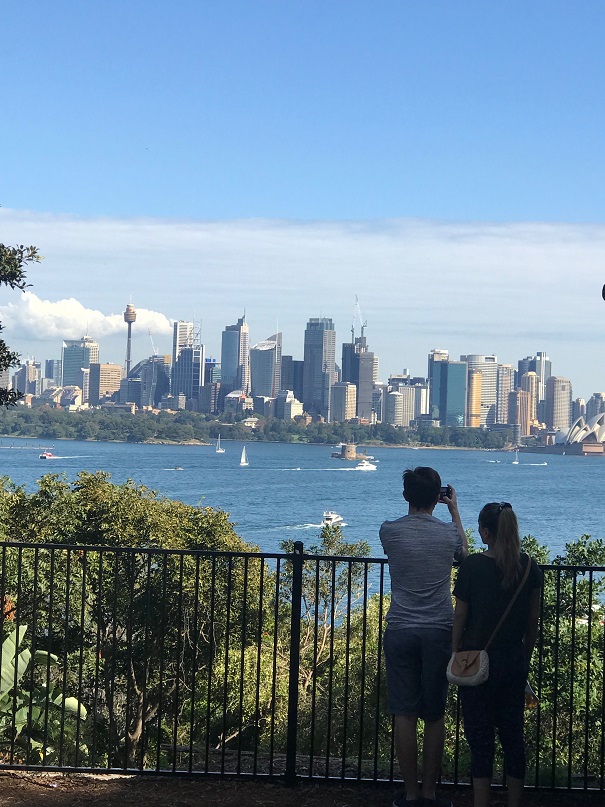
{"x":292,"y":733}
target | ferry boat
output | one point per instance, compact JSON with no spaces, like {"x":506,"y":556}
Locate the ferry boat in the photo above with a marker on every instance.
{"x":47,"y":455}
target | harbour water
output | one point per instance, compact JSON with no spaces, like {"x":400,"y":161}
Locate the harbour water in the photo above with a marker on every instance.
{"x":285,"y":489}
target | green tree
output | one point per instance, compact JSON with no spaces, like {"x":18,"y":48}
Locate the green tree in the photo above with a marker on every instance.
{"x":13,"y":261}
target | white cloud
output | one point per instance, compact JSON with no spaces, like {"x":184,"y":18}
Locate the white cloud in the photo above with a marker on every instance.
{"x":509,"y":289}
{"x":29,"y":317}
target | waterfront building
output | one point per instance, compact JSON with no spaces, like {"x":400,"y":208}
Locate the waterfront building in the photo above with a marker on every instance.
{"x":488,"y":365}
{"x":76,"y":356}
{"x":319,"y":366}
{"x":558,"y":403}
{"x":344,"y":401}
{"x":235,"y":357}
{"x":104,"y":381}
{"x":265,"y":367}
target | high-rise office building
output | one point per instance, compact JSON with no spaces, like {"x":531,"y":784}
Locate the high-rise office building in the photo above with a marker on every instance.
{"x":235,"y":357}
{"x":505,"y":385}
{"x":344,"y":401}
{"x":474,"y":399}
{"x":520,"y":410}
{"x":360,"y":367}
{"x":436,"y":357}
{"x":319,"y":366}
{"x":28,"y":378}
{"x":188,"y":374}
{"x":76,"y":356}
{"x":182,"y":336}
{"x":265,"y":367}
{"x":448,"y":386}
{"x":539,"y":364}
{"x":558,"y":403}
{"x":529,"y":383}
{"x":52,"y":371}
{"x":595,"y":405}
{"x":104,"y":380}
{"x":488,"y":365}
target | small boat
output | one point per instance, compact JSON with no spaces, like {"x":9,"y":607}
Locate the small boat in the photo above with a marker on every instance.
{"x":218,"y":448}
{"x":244,"y":458}
{"x":365,"y":465}
{"x":331,"y":518}
{"x":178,"y":467}
{"x":516,"y":460}
{"x":47,"y":455}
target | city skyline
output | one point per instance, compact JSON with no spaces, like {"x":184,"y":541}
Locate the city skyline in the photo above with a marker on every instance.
{"x":443,"y":163}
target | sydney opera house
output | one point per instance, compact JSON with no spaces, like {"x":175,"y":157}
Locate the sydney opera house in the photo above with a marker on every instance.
{"x":585,"y":437}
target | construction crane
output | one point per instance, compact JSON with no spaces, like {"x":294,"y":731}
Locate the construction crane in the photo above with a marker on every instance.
{"x":153,"y":347}
{"x":359,"y":316}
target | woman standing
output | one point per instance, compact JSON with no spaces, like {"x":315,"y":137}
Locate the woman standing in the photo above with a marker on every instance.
{"x":486,"y":583}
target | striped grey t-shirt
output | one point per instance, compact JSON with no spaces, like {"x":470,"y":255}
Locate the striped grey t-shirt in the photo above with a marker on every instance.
{"x":421,"y":550}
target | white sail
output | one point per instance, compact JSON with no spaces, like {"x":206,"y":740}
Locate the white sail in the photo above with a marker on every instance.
{"x":218,"y":449}
{"x":244,"y":460}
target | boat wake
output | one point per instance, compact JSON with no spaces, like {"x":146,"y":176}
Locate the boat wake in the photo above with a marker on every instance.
{"x":306,"y":526}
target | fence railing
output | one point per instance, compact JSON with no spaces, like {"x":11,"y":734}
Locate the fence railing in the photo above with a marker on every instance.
{"x":254,"y":665}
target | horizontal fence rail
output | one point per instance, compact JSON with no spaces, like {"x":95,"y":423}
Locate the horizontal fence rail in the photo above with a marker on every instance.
{"x":254,"y":664}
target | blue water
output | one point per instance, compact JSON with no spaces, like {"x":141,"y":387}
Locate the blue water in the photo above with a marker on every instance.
{"x":284,"y":491}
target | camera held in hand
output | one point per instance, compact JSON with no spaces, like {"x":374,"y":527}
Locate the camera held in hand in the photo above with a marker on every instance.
{"x":444,"y":491}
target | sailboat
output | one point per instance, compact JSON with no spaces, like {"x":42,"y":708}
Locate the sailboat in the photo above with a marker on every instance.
{"x":244,"y":459}
{"x":218,"y":448}
{"x":516,"y":460}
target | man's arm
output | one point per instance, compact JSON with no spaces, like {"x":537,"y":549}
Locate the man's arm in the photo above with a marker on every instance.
{"x":452,"y":506}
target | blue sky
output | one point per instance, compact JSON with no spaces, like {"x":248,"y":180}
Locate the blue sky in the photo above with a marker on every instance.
{"x":443,"y":161}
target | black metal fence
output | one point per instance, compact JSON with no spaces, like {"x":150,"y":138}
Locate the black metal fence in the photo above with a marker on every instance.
{"x":253,"y":665}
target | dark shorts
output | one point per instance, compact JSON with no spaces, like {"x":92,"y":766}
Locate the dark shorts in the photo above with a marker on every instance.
{"x":416,"y":661}
{"x":498,"y":705}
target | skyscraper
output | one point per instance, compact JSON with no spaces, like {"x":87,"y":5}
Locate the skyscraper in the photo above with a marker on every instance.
{"x":235,"y":357}
{"x":488,"y":365}
{"x":104,"y":380}
{"x":504,"y":387}
{"x":77,"y":355}
{"x":359,"y":367}
{"x":558,"y":403}
{"x":436,"y":357}
{"x":265,"y":367}
{"x":319,"y":366}
{"x":182,"y":336}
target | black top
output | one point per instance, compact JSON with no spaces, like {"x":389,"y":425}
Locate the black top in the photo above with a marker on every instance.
{"x":479,"y":584}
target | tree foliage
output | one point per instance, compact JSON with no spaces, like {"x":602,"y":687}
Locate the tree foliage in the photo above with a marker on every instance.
{"x":13,"y":261}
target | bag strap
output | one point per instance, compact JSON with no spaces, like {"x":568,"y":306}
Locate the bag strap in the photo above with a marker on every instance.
{"x":511,"y":603}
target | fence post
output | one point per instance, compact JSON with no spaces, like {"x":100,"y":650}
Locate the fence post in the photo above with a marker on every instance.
{"x":292,"y":736}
